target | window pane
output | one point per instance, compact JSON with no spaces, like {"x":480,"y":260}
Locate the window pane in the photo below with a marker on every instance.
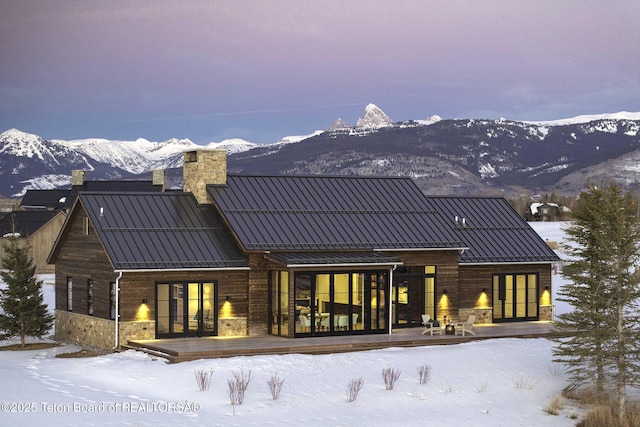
{"x":69,"y":294}
{"x":323,"y":303}
{"x":208,"y":305}
{"x":90,"y":297}
{"x":193,"y":313}
{"x":162,"y":308}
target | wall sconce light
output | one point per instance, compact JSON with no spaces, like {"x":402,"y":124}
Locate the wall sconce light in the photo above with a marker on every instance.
{"x":546,"y":288}
{"x":228,"y":298}
{"x":484,"y":290}
{"x":144,"y":300}
{"x":444,"y":292}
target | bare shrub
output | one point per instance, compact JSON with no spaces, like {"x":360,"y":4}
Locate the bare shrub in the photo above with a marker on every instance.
{"x":353,"y":388}
{"x":237,"y":387}
{"x":555,"y":369}
{"x":424,"y":374}
{"x":203,"y":378}
{"x":556,"y":405}
{"x":390,"y":376}
{"x":275,"y":385}
{"x":448,"y":388}
{"x":482,"y":388}
{"x":525,"y":383}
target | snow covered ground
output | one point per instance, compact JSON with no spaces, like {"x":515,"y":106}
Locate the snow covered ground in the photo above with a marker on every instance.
{"x":500,"y":382}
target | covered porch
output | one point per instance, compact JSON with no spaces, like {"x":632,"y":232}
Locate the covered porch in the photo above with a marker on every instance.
{"x":184,"y":349}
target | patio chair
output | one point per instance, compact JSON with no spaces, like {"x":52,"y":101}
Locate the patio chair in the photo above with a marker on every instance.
{"x":305,"y":323}
{"x":466,"y":327}
{"x":341,"y":321}
{"x":354,"y":320}
{"x":429,"y":327}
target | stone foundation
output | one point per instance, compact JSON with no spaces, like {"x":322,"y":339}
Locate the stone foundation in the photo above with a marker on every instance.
{"x":483,"y":315}
{"x":546,"y":312}
{"x":95,"y":332}
{"x":232,"y":327}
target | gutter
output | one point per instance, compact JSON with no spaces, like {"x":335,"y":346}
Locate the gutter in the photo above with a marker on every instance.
{"x":117,"y":336}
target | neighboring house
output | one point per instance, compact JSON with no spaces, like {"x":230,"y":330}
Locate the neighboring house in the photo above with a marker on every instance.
{"x":37,"y":229}
{"x":41,"y":213}
{"x":543,"y":212}
{"x":292,"y":256}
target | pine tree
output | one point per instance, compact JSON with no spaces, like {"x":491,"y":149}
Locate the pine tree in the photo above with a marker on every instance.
{"x":24,"y":312}
{"x":601,"y":333}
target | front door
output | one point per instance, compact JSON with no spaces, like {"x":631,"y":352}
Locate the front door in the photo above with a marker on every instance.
{"x":413,"y":295}
{"x":185,"y":309}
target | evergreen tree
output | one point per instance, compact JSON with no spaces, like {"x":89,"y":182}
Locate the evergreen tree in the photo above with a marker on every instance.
{"x":23,"y":311}
{"x":601,"y":333}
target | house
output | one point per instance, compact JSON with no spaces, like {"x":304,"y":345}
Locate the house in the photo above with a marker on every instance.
{"x":543,"y":212}
{"x":41,"y":213}
{"x":291,"y":256}
{"x":38,"y":230}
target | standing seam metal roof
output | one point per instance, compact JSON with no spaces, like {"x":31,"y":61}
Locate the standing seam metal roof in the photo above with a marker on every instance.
{"x":493,"y":231}
{"x":293,"y":213}
{"x":160,"y":231}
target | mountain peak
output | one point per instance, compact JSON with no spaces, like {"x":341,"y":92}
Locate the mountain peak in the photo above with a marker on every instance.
{"x":374,"y":117}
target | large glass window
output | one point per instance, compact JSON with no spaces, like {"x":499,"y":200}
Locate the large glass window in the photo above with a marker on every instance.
{"x":329,"y":303}
{"x":69,"y":294}
{"x":90,"y":297}
{"x":112,"y":300}
{"x":515,"y":297}
{"x":279,"y":303}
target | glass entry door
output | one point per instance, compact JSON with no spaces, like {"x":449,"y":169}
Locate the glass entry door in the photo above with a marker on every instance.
{"x":185,"y":309}
{"x":413,"y":295}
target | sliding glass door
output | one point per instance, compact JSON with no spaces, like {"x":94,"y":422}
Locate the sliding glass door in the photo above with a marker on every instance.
{"x":186,"y":309}
{"x":333,"y":303}
{"x":515,"y":297}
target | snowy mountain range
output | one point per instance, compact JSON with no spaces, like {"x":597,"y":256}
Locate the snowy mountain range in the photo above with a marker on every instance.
{"x":461,"y":156}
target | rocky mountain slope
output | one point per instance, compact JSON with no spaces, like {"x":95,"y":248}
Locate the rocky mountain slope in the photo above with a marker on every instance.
{"x":462,"y":156}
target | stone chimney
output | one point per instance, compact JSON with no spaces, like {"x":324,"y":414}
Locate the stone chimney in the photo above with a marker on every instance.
{"x":160,"y":178}
{"x":77,"y":178}
{"x":202,"y":167}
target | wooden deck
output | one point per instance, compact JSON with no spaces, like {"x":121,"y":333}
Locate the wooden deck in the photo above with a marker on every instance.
{"x":183,"y":349}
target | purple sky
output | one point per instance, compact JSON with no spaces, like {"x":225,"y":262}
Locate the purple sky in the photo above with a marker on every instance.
{"x":264,"y":69}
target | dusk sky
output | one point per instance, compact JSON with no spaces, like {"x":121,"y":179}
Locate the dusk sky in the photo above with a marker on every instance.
{"x":264,"y":69}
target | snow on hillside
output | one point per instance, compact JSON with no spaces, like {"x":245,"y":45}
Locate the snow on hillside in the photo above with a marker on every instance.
{"x":234,"y":145}
{"x":498,"y":382}
{"x":622,"y":115}
{"x":136,"y":156}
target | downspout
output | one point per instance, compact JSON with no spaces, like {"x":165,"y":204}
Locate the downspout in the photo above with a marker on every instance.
{"x":117,"y":319}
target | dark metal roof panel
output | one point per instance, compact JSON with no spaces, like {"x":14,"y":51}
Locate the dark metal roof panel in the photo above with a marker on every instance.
{"x":330,"y":212}
{"x":49,"y":199}
{"x":493,"y":231}
{"x":334,"y":258}
{"x":160,"y":231}
{"x":26,"y":222}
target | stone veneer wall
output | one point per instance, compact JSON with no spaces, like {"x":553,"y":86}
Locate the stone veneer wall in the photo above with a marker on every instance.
{"x":483,"y":315}
{"x":96,"y":332}
{"x":202,"y":167}
{"x":232,"y":327}
{"x":546,"y":312}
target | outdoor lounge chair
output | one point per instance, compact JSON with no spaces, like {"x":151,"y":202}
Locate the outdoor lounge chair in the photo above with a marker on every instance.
{"x":429,"y":326}
{"x":466,"y":327}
